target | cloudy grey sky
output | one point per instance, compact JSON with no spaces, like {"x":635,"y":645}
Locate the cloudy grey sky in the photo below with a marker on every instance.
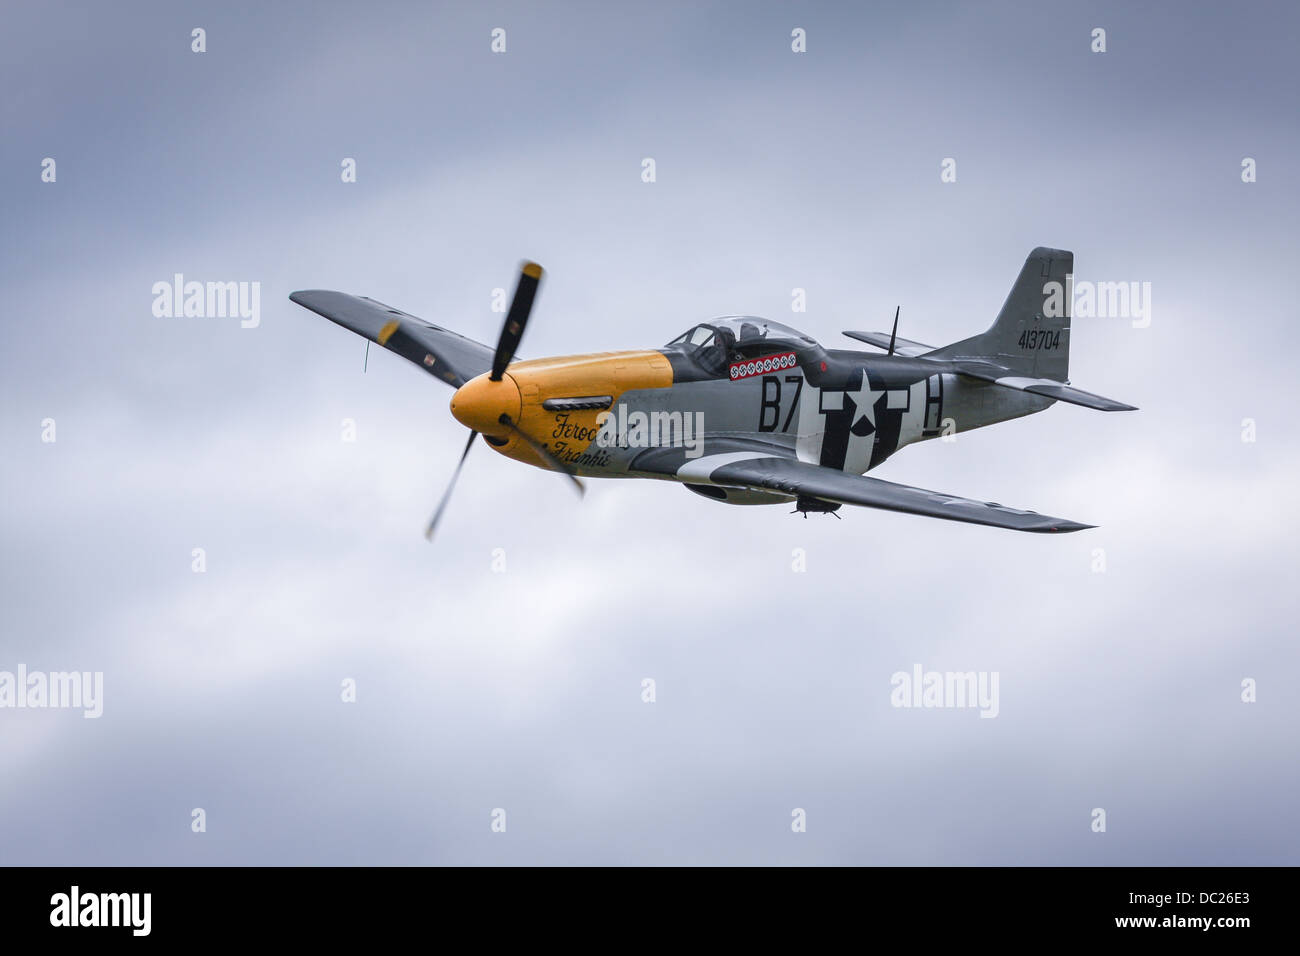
{"x":478,"y":690}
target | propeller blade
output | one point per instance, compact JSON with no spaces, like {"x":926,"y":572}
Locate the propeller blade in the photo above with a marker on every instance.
{"x":894,"y":334}
{"x":513,"y":330}
{"x":545,"y":453}
{"x":446,"y":495}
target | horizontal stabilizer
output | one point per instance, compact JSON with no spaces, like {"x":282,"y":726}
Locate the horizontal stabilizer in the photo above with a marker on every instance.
{"x":442,"y":353}
{"x":1048,"y":388}
{"x":902,"y":346}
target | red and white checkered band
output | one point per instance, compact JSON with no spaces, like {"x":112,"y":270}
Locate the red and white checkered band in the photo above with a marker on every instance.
{"x":763,"y":366}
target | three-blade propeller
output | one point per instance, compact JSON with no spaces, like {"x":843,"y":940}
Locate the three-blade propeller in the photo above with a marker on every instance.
{"x":521,"y":306}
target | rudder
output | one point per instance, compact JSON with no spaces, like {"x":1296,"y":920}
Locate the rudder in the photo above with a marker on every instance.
{"x":1031,"y":335}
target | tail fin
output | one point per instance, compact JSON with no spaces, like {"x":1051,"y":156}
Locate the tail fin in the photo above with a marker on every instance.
{"x":1032,"y":333}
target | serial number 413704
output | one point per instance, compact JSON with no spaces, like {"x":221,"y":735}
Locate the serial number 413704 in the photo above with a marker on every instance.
{"x":1040,"y":339}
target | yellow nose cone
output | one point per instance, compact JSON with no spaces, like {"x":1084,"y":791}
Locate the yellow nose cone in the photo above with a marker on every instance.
{"x":480,"y":403}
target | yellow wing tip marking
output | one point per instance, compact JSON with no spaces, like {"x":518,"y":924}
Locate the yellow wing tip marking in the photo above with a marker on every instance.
{"x":387,"y":331}
{"x":532,"y":270}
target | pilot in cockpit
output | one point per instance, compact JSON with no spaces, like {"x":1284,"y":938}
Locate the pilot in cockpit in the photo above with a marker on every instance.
{"x":720,"y":350}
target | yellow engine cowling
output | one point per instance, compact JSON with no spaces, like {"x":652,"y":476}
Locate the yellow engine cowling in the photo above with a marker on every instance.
{"x":527,"y":384}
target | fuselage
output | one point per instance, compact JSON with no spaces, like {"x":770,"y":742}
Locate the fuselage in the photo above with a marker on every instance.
{"x":756,"y":385}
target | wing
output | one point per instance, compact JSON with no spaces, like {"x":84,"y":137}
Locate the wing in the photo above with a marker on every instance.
{"x":1049,"y":388}
{"x":902,"y":346}
{"x":443,"y":354}
{"x":761,"y":471}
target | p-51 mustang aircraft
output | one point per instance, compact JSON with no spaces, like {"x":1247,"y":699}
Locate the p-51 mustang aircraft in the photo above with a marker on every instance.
{"x":745,"y":410}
